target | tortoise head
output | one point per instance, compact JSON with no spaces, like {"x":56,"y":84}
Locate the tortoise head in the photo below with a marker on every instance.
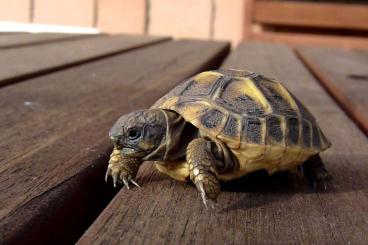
{"x":139,"y":133}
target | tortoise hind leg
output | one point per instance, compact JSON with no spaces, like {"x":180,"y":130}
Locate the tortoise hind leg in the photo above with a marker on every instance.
{"x":315,"y":172}
{"x":202,"y":170}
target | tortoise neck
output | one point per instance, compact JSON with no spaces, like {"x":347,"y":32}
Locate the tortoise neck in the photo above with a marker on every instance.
{"x":172,"y":125}
{"x":178,"y":135}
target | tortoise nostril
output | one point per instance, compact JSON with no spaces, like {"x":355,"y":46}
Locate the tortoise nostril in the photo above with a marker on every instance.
{"x":113,"y":139}
{"x":120,"y":142}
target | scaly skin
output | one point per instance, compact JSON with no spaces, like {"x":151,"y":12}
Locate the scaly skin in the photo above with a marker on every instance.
{"x":202,"y":170}
{"x":122,"y":169}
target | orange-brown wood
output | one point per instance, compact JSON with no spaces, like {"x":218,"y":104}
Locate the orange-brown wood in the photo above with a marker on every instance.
{"x":294,"y":39}
{"x":329,"y":15}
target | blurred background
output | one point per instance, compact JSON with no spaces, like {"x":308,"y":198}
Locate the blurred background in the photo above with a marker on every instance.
{"x":325,"y":23}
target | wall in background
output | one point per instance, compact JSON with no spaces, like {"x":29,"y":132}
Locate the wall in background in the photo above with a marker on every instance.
{"x":64,"y":12}
{"x":206,"y":19}
{"x":15,"y":10}
{"x":121,"y":16}
{"x":294,"y":22}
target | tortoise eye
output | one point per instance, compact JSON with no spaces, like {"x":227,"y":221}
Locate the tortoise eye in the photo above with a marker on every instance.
{"x":133,"y":133}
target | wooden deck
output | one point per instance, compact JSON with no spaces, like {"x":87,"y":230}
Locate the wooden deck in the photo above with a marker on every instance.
{"x":60,"y":94}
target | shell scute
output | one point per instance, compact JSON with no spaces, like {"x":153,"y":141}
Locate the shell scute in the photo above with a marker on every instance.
{"x":277,"y":97}
{"x":212,"y":119}
{"x":201,"y":84}
{"x":316,"y":137}
{"x":274,"y":130}
{"x":253,"y":130}
{"x":239,"y":96}
{"x":232,"y":127}
{"x":306,"y":134}
{"x":245,"y":109}
{"x":293,"y":131}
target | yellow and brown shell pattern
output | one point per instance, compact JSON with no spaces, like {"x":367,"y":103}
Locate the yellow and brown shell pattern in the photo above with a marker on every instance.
{"x":261,"y":122}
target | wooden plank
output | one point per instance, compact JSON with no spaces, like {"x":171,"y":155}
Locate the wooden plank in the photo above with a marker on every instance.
{"x":65,"y":12}
{"x":257,"y":209}
{"x":327,"y":15}
{"x":25,"y":62}
{"x":295,"y":39}
{"x":25,"y":39}
{"x":53,"y":144}
{"x":344,"y":74}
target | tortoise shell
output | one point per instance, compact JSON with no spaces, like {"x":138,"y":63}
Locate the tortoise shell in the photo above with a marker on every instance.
{"x":253,"y":115}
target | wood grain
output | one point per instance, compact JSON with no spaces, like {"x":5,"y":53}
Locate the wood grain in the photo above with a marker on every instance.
{"x":25,"y":62}
{"x":54,"y":145}
{"x":321,"y":15}
{"x":19,"y":40}
{"x":344,"y":74}
{"x":257,"y":209}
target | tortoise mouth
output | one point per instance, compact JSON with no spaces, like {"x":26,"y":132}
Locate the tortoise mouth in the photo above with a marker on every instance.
{"x":133,"y":152}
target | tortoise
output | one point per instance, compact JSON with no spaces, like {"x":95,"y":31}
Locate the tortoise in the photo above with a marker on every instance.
{"x":218,"y":126}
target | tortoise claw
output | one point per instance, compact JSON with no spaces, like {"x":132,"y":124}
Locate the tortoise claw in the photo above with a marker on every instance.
{"x":126,"y":183}
{"x":316,"y":173}
{"x":128,"y":180}
{"x":113,"y":173}
{"x":115,"y":178}
{"x":119,"y":174}
{"x":122,"y":169}
{"x":319,"y":180}
{"x":208,"y":203}
{"x":135,"y":183}
{"x":108,"y":172}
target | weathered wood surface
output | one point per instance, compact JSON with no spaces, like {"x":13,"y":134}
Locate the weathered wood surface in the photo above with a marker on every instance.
{"x":25,"y":62}
{"x":54,"y":143}
{"x":257,"y":209}
{"x":344,"y":73}
{"x":18,"y":40}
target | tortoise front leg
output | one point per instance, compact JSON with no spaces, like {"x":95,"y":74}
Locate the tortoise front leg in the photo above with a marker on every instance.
{"x":202,"y":170}
{"x":122,"y":169}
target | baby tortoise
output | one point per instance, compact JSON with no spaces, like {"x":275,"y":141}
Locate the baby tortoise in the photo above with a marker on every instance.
{"x":218,"y":126}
